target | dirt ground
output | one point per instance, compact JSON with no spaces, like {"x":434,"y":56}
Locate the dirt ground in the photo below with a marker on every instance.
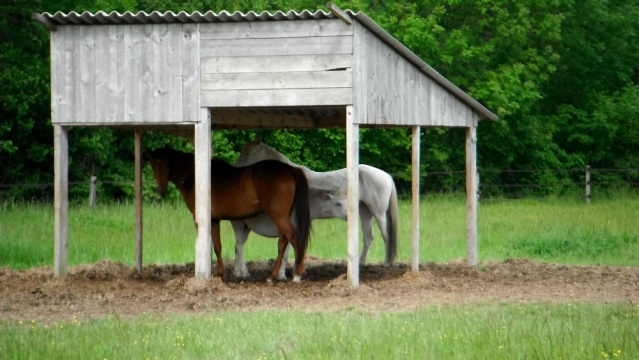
{"x":110,"y":288}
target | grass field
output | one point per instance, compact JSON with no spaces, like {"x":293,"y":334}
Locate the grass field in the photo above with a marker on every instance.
{"x":482,"y":331}
{"x":546,"y":229}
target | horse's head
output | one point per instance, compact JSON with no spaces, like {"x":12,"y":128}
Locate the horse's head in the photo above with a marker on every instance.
{"x":159,"y":160}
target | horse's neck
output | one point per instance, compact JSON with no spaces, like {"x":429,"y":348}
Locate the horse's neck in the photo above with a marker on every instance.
{"x":328,"y":180}
{"x":182,"y":174}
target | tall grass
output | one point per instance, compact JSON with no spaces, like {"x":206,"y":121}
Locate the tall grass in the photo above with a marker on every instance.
{"x":544,"y":229}
{"x":542,"y":331}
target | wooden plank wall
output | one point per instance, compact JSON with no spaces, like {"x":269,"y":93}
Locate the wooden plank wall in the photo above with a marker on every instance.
{"x":389,"y":90}
{"x":125,"y":74}
{"x":276,"y":63}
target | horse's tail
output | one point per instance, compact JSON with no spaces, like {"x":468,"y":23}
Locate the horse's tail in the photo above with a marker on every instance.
{"x":302,"y":213}
{"x":392,"y":214}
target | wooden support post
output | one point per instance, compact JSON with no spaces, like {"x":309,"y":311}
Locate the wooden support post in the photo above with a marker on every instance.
{"x":352,"y":196}
{"x":414,"y":234}
{"x":203,"y":195}
{"x":138,"y":200}
{"x":478,"y":187}
{"x":588,"y":184}
{"x":92,"y":190}
{"x":61,"y":199}
{"x":471,"y":195}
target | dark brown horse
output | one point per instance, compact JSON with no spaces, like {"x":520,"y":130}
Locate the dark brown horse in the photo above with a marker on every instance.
{"x":268,"y":186}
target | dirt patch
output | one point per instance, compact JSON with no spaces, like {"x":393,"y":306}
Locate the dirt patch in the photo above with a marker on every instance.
{"x":110,"y":288}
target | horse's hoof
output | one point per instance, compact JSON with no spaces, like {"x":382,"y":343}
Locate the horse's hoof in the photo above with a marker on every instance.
{"x":297,"y":279}
{"x":282,"y":279}
{"x":242,"y":274}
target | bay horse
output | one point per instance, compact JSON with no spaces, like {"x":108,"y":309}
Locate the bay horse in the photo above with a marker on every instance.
{"x":377,"y":199}
{"x":269,"y":187}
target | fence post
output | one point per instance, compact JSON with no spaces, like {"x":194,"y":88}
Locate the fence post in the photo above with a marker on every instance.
{"x":92,"y":185}
{"x":478,"y":187}
{"x":588,"y":184}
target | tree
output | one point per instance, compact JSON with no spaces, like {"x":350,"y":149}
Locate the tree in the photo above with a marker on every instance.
{"x":25,"y":129}
{"x":593,"y":95}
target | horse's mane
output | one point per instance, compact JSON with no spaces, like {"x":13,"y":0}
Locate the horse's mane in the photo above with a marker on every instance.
{"x":269,"y":152}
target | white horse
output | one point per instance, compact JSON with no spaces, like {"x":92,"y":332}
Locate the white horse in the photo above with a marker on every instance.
{"x":377,"y":199}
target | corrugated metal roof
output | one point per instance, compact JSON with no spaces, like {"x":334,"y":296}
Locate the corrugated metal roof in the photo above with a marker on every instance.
{"x":156,"y":17}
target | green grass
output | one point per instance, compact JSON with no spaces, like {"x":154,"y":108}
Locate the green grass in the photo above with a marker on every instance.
{"x":545,"y":229}
{"x":563,"y":231}
{"x":506,"y":331}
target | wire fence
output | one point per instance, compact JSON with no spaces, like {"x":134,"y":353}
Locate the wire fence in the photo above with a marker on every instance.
{"x":542,"y":185}
{"x":535,"y":182}
{"x":509,"y":183}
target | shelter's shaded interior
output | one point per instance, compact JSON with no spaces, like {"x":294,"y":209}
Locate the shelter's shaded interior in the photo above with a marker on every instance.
{"x":279,"y":117}
{"x":257,"y":118}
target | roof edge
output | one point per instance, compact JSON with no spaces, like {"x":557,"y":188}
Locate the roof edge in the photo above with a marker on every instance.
{"x":421,"y":64}
{"x":142,"y":17}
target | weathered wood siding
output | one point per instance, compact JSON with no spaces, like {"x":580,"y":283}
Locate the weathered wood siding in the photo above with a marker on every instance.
{"x":125,"y":74}
{"x":284,"y":63}
{"x":389,"y":90}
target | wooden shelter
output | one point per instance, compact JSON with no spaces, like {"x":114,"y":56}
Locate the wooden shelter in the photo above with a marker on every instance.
{"x":192,"y":73}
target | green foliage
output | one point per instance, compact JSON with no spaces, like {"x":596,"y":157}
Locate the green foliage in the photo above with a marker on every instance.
{"x":25,"y":133}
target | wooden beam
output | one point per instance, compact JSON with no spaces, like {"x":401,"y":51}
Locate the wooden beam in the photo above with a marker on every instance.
{"x":329,"y":122}
{"x":203,"y":195}
{"x":471,"y":195}
{"x":339,"y":13}
{"x":61,"y":199}
{"x":352,"y":195}
{"x":44,"y":21}
{"x":236,"y":119}
{"x":414,"y":234}
{"x":138,"y":200}
{"x":229,"y":119}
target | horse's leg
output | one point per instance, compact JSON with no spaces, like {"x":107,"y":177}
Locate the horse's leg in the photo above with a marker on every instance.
{"x":298,"y":269}
{"x":287,"y":237}
{"x":217,"y":247}
{"x":281,"y":248}
{"x":367,"y":229}
{"x":382,"y":222}
{"x":241,"y":235}
{"x":282,"y":275}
